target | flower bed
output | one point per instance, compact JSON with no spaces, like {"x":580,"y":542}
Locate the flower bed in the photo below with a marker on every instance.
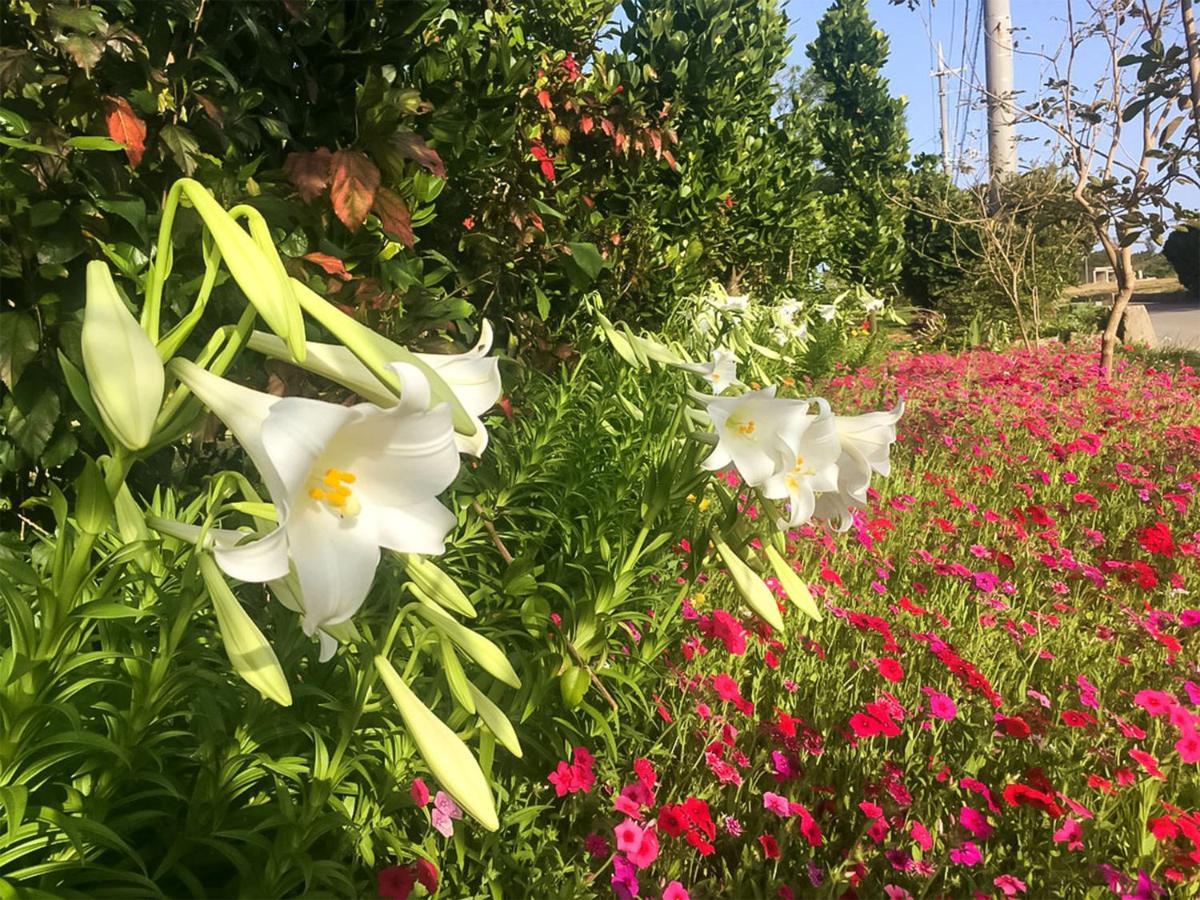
{"x":1003,"y":698}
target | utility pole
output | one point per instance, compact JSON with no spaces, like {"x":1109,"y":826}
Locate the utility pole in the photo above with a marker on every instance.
{"x":1002,"y":139}
{"x":1193,"y":48}
{"x":940,"y":75}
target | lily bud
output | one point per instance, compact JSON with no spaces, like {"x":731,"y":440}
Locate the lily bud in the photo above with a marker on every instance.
{"x":439,"y":586}
{"x":489,"y":656}
{"x":264,"y":283}
{"x":793,"y":584}
{"x":249,"y":651}
{"x":496,"y":721}
{"x":124,"y":372}
{"x":619,"y":342}
{"x":756,"y":594}
{"x":448,"y":758}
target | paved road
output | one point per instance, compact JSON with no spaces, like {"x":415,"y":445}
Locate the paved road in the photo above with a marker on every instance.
{"x":1176,"y":323}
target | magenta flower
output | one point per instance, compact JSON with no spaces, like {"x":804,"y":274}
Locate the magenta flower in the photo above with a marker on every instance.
{"x":1070,"y":834}
{"x":966,"y":855}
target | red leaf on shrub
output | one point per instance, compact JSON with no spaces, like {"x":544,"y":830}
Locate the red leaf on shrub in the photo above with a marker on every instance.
{"x":330,"y":264}
{"x":394,"y":216}
{"x":125,"y":128}
{"x":309,"y":172}
{"x":585,"y":124}
{"x":414,"y":147}
{"x":670,"y":158}
{"x":543,"y":98}
{"x":353,"y":186}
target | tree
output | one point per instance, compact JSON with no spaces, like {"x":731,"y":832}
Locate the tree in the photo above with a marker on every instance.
{"x":864,"y":144}
{"x":1122,"y":175}
{"x":741,"y":203}
{"x":1182,"y":250}
{"x":1003,"y":255}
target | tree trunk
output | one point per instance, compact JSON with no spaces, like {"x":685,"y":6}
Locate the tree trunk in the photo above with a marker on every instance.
{"x":1125,"y":276}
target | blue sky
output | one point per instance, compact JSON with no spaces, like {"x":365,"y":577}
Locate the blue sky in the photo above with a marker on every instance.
{"x":1039,"y":25}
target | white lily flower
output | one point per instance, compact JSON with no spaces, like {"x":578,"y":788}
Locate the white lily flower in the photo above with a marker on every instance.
{"x":827,"y":311}
{"x":785,"y":314}
{"x":866,"y":441}
{"x":473,"y":376}
{"x":813,"y":467}
{"x":756,"y":432}
{"x":872,"y":304}
{"x":345,"y":481}
{"x":870,"y":436}
{"x":727,"y":303}
{"x":720,"y":373}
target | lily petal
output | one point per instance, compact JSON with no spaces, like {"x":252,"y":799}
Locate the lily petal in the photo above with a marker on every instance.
{"x":335,"y":561}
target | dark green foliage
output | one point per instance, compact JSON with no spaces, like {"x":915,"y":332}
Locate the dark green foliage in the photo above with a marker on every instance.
{"x":864,"y":145}
{"x":999,"y":269}
{"x":742,"y":209}
{"x":1182,"y":250}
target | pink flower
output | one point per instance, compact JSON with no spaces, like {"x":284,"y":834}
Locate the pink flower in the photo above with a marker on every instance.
{"x":623,"y":804}
{"x":445,"y":811}
{"x":1157,"y":703}
{"x":1188,"y":746}
{"x":921,"y":835}
{"x":871,"y":810}
{"x":776,"y":804}
{"x":675,"y":891}
{"x":1009,"y":884}
{"x":895,"y":892}
{"x":1087,"y":693}
{"x":646,"y":850}
{"x":783,"y":765}
{"x":940,"y":705}
{"x":578,"y":776}
{"x":1070,"y":834}
{"x":629,"y":835}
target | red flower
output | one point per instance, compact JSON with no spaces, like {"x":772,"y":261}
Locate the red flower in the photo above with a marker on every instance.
{"x":427,"y":875}
{"x":1014,"y":726}
{"x":420,"y":793}
{"x":672,"y":820}
{"x":1074,"y":718}
{"x":889,"y":669}
{"x":396,"y":882}
{"x":1157,"y":540}
{"x":770,"y":846}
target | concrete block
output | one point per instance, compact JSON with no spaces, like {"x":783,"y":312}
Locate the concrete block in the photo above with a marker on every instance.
{"x":1136,"y":327}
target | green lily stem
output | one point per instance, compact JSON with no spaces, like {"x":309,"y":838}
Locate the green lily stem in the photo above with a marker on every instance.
{"x":81,"y":554}
{"x":235,"y":339}
{"x":152,"y":309}
{"x":174,"y":339}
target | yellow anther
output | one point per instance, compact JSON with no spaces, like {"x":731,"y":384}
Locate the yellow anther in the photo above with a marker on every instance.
{"x":334,"y":493}
{"x":748,"y":428}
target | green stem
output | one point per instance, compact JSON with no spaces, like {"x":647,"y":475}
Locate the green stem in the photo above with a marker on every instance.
{"x":152,"y":309}
{"x":79,"y":563}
